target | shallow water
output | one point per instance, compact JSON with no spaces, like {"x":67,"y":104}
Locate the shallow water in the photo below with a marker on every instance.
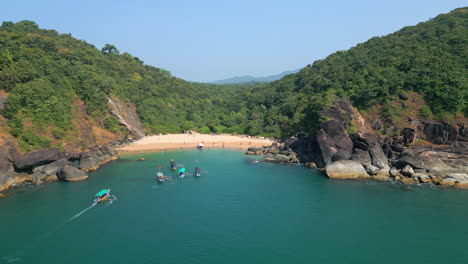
{"x":238,"y":212}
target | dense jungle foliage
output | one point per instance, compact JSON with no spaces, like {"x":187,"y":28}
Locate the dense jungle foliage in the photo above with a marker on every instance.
{"x":429,"y":58}
{"x":44,"y":73}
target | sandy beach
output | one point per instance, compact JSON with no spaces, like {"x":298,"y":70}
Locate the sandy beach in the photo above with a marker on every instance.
{"x":189,"y":141}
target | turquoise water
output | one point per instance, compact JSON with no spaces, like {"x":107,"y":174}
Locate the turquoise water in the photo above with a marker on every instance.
{"x":238,"y":212}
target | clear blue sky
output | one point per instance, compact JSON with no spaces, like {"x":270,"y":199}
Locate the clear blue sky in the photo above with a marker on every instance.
{"x":208,"y":40}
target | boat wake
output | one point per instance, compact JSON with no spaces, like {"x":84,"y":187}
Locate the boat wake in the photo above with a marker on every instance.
{"x":111,"y":199}
{"x":82,"y":212}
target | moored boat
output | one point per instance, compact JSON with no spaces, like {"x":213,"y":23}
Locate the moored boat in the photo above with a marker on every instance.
{"x":160,"y":177}
{"x":200,"y":146}
{"x":181,"y":172}
{"x":101,"y":195}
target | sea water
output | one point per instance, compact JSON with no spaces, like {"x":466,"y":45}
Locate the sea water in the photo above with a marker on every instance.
{"x":238,"y":211}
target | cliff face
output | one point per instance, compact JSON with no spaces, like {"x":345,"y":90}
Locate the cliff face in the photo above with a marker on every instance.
{"x":127,"y":116}
{"x":89,"y":146}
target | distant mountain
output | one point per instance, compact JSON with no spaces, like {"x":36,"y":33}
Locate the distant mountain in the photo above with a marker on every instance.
{"x":250,"y":79}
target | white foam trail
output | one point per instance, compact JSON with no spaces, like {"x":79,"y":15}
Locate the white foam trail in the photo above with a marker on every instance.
{"x":111,"y":199}
{"x":82,"y":212}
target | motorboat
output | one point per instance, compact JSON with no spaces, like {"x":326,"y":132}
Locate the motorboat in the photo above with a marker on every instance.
{"x":101,"y":195}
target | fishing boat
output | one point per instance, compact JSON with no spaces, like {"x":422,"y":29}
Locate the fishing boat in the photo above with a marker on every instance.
{"x":181,"y":172}
{"x":160,"y":177}
{"x":101,"y":195}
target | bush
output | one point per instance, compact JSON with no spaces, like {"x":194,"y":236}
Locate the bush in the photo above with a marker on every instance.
{"x":426,"y":112}
{"x":204,"y":130}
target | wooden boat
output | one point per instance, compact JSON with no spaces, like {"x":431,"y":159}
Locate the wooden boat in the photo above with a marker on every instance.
{"x":101,"y":195}
{"x":160,"y":177}
{"x":181,"y":173}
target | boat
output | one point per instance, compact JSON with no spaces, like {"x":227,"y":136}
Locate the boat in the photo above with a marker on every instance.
{"x":101,"y":195}
{"x":160,"y":177}
{"x":181,"y":172}
{"x":200,"y":146}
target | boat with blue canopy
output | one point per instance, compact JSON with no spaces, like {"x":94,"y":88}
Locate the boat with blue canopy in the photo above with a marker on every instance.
{"x":102,"y":195}
{"x":181,"y":172}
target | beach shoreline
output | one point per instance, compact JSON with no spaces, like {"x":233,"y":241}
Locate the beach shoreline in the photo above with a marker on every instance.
{"x":191,"y":140}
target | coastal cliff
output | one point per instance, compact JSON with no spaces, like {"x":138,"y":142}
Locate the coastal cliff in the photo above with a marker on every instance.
{"x":347,"y":147}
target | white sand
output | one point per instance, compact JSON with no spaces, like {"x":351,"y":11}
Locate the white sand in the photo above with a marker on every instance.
{"x":181,"y":141}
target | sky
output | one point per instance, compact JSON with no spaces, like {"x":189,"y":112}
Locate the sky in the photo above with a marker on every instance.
{"x":209,"y":40}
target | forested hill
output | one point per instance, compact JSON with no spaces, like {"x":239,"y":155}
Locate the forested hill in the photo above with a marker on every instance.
{"x":55,"y":83}
{"x":55,"y":89}
{"x":252,"y":79}
{"x":429,"y":59}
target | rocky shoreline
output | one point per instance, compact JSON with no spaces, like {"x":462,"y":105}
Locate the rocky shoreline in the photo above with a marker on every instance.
{"x":346,"y":147}
{"x":50,"y":165}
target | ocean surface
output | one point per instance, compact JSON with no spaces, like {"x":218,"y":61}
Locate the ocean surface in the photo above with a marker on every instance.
{"x":238,"y":211}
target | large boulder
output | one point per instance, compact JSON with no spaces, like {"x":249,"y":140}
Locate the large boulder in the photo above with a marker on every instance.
{"x":37,"y":177}
{"x":334,"y":142}
{"x":346,"y":169}
{"x":8,"y":153}
{"x":6,"y":166}
{"x":37,"y":158}
{"x":409,"y":136}
{"x":448,"y":182}
{"x":12,"y":179}
{"x":109,"y":150}
{"x":440,"y":133}
{"x":407,"y":171}
{"x":361,"y":156}
{"x":371,"y":169}
{"x":411,"y":157}
{"x":89,"y":163}
{"x":70,"y":173}
{"x":54,"y":167}
{"x":460,"y":178}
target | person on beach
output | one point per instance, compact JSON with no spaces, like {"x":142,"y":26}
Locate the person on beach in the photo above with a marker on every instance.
{"x":173,"y":165}
{"x":197,"y":172}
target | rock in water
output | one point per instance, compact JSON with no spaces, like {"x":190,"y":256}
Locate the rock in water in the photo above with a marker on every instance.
{"x":346,"y":169}
{"x":70,"y":173}
{"x":89,"y":163}
{"x":407,"y":171}
{"x":54,"y":167}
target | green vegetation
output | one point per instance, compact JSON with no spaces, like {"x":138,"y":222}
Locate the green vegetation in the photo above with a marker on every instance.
{"x":45,"y":73}
{"x":429,"y":58}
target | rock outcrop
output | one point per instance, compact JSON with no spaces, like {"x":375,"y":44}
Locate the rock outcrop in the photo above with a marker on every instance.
{"x":70,"y":173}
{"x":127,"y":116}
{"x":346,"y":169}
{"x":37,"y":158}
{"x":48,"y":165}
{"x":348,"y":148}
